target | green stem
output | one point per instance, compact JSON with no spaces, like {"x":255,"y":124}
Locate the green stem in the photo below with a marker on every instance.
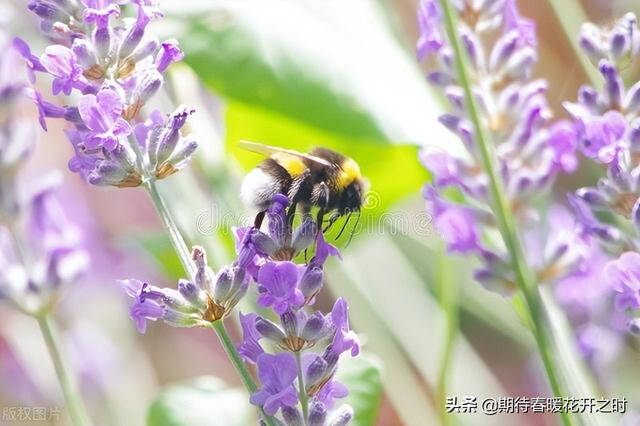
{"x":74,"y":404}
{"x":302,"y":392}
{"x":185,"y":258}
{"x":447,"y":295}
{"x":524,"y":280}
{"x":172,"y":229}
{"x":238,"y":364}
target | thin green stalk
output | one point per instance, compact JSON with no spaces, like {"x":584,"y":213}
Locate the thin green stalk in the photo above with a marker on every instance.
{"x":185,"y":258}
{"x":302,"y":392}
{"x":172,"y":229}
{"x":238,"y":364}
{"x":524,"y":276}
{"x":77,"y":412}
{"x":447,"y":296}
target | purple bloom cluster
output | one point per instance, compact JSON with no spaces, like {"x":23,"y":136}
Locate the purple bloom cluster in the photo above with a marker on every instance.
{"x":207,"y":298}
{"x":309,"y":342}
{"x":39,"y":248}
{"x":116,"y":67}
{"x":530,"y":150}
{"x":607,"y":124}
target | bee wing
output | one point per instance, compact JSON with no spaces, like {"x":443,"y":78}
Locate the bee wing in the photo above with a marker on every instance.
{"x":268,"y":151}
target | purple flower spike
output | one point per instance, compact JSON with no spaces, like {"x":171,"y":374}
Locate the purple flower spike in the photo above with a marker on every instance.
{"x":277,"y":374}
{"x":250,"y":348}
{"x":457,"y":225}
{"x":623,"y":275}
{"x":98,"y":12}
{"x":345,"y":339}
{"x":429,"y":19}
{"x":61,"y":62}
{"x":143,"y":308}
{"x":32,"y":61}
{"x":563,"y":142}
{"x":170,"y":53}
{"x":445,"y":168}
{"x":101,"y":114}
{"x":278,"y":285}
{"x":526,"y":28}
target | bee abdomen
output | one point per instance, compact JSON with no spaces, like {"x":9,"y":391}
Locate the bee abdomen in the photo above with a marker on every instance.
{"x":262,"y":183}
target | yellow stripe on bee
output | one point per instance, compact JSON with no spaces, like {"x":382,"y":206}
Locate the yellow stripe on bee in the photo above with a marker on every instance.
{"x":350,"y":171}
{"x":292,"y":164}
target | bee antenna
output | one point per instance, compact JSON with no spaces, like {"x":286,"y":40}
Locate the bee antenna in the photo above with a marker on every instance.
{"x":353,"y":230}
{"x":344,"y":225}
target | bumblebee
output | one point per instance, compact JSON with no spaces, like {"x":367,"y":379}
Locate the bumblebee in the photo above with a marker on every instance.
{"x":321,"y":178}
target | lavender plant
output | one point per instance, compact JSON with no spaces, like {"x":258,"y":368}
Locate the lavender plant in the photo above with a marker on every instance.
{"x":40,"y":251}
{"x":296,"y":381}
{"x":116,"y":67}
{"x":514,"y":150}
{"x":608,"y":128}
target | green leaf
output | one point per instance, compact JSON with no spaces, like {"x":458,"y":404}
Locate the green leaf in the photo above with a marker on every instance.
{"x":205,"y":401}
{"x":336,"y":67}
{"x":363,"y":377}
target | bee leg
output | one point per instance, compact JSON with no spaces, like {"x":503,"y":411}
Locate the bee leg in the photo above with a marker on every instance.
{"x":323,"y":201}
{"x":257,"y":222}
{"x":291,"y":213}
{"x":334,"y":216}
{"x":299,"y":186}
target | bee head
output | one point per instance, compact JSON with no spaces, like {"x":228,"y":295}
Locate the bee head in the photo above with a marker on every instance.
{"x":352,"y":197}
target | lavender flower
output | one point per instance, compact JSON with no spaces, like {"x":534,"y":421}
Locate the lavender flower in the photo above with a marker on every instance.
{"x":117,"y":68}
{"x":277,"y":374}
{"x":531,"y":150}
{"x":608,"y":126}
{"x":207,"y":299}
{"x":309,"y":342}
{"x":40,"y":251}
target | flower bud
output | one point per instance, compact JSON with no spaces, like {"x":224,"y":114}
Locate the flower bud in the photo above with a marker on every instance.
{"x":134,"y":35}
{"x":179,"y":319}
{"x":313,"y":327}
{"x":315,"y":371}
{"x":612,"y":83}
{"x":317,"y":414}
{"x":521,"y":63}
{"x":192,"y":293}
{"x":48,"y":11}
{"x":269,"y":330}
{"x":292,"y":416}
{"x":148,"y":86}
{"x":102,"y":41}
{"x":592,"y":197}
{"x":618,"y":43}
{"x":84,"y":52}
{"x":311,"y":281}
{"x":342,"y":416}
{"x":439,"y":78}
{"x":503,"y":50}
{"x":304,"y":235}
{"x":170,"y":134}
{"x":144,"y":49}
{"x":290,"y":323}
{"x":590,"y":43}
